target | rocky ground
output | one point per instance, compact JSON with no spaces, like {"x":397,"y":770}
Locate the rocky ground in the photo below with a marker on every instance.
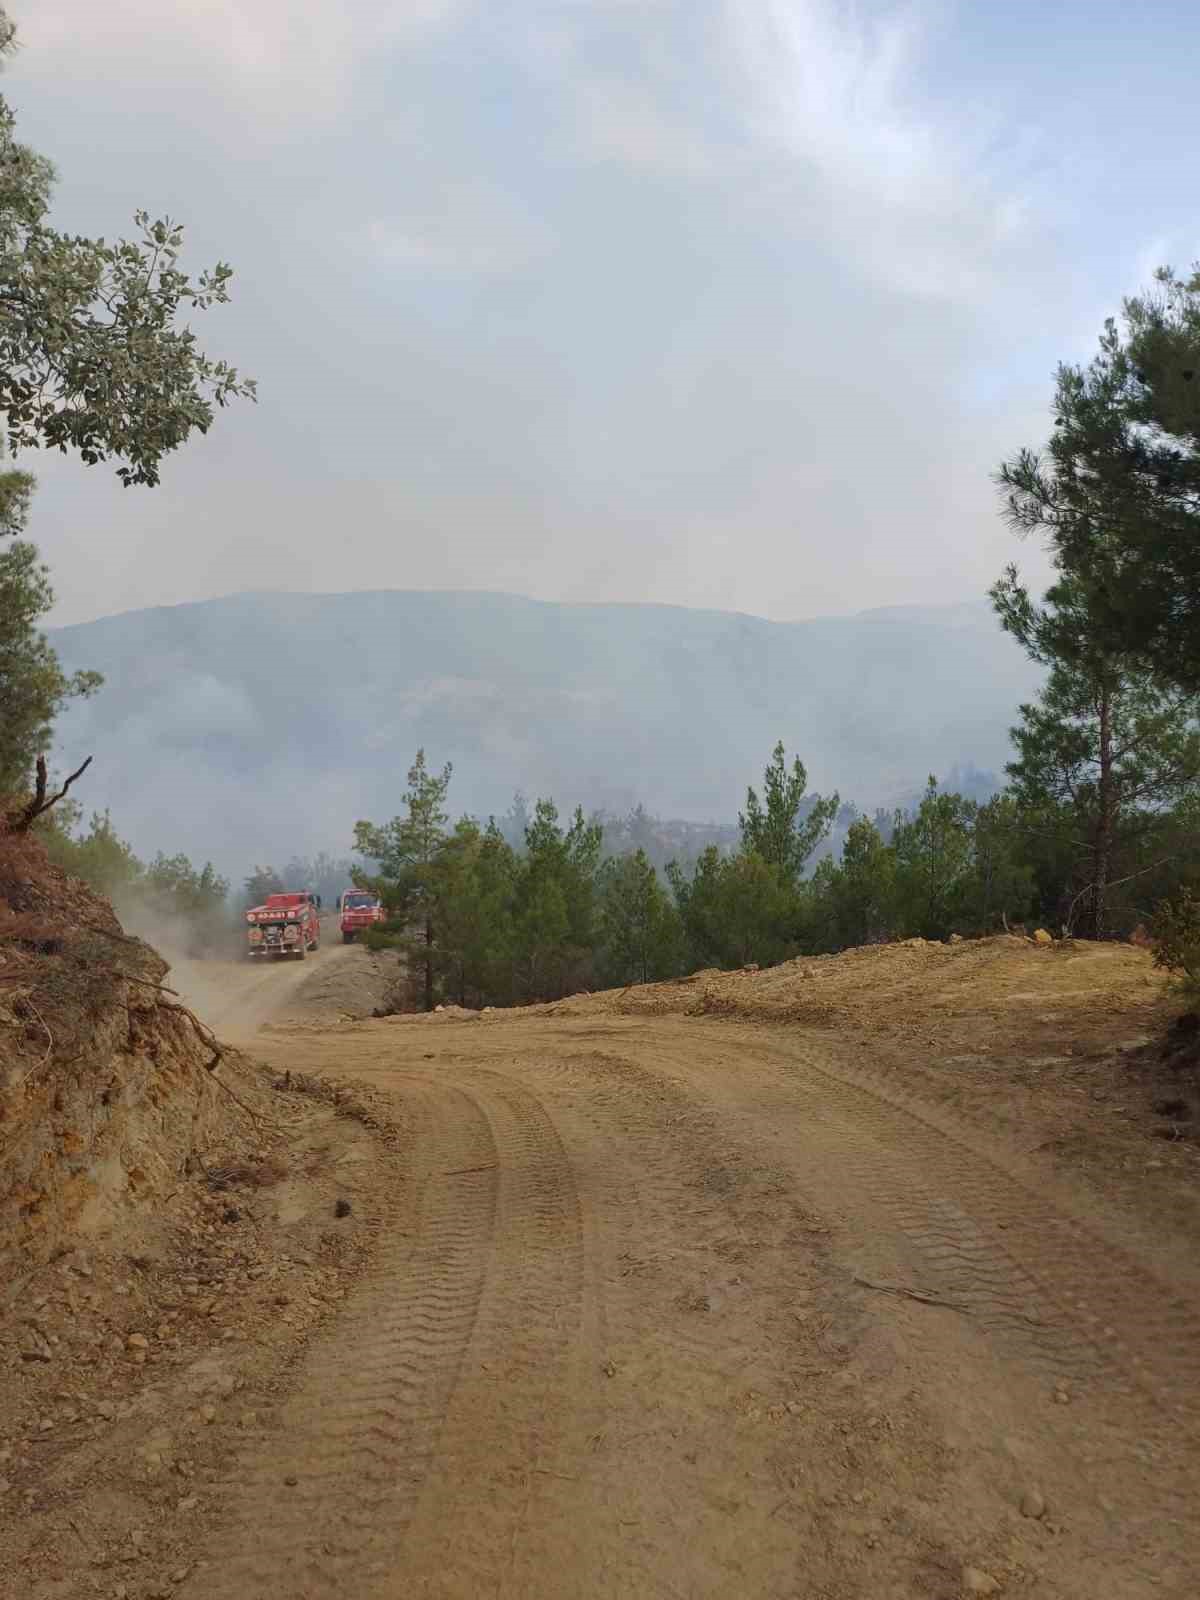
{"x":134,"y":1367}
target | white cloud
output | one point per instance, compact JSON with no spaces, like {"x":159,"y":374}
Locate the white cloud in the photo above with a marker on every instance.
{"x":919,"y":198}
{"x":287,"y":63}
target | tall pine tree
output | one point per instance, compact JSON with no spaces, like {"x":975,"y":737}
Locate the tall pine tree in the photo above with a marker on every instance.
{"x":407,"y":852}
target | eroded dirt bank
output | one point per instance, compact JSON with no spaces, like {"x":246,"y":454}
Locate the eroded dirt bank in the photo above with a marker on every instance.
{"x":178,"y":1221}
{"x":843,"y":1280}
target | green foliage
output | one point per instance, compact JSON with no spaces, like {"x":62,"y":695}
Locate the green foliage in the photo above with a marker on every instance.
{"x":92,"y":359}
{"x":1108,"y":758}
{"x":639,"y":933}
{"x":406,"y":848}
{"x":16,"y":492}
{"x":554,"y":902}
{"x":407,"y":853}
{"x":169,"y":903}
{"x":699,"y":900}
{"x":33,"y":686}
{"x":934,"y":864}
{"x":541,"y":943}
{"x":188,"y":889}
{"x":99,"y":856}
{"x":854,"y":902}
{"x":1102,"y":757}
{"x":1117,"y":488}
{"x":1177,"y":937}
{"x":735,"y":910}
{"x":761,"y":912}
{"x":1002,"y":885}
{"x":784,"y":831}
{"x":474,"y":950}
{"x":485,"y":921}
{"x":662,"y":840}
{"x":262,"y":882}
{"x":952,"y":866}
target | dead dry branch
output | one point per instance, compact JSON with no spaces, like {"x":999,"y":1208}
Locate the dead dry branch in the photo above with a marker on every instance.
{"x":20,"y":821}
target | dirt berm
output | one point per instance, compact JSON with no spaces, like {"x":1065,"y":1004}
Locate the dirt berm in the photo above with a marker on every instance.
{"x":174,"y":1222}
{"x":868,"y":1276}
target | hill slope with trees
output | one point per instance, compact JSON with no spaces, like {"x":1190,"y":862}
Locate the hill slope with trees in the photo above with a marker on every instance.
{"x":248,"y":728}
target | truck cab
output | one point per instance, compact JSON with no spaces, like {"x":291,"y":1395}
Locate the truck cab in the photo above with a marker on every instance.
{"x":358,"y":909}
{"x":284,"y":925}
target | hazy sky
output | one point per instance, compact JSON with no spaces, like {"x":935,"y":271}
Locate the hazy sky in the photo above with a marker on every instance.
{"x":729,"y":303}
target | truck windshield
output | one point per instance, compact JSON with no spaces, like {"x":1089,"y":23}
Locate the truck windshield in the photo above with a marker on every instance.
{"x":353,"y":902}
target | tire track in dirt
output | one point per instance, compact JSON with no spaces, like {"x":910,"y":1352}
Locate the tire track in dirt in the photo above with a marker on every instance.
{"x":1051,"y":1300}
{"x":314,"y":1506}
{"x":1118,"y":1317}
{"x":1054,"y":1296}
{"x":426,"y":1433}
{"x":619,"y":1419}
{"x":486,"y":1519}
{"x":692,"y":1378}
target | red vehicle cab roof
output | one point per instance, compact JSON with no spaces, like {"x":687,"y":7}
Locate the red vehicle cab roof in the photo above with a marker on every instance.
{"x":294,"y":899}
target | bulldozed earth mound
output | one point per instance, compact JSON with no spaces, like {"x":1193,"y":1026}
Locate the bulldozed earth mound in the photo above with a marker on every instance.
{"x":998,"y":985}
{"x":366,"y":983}
{"x":1072,"y":1052}
{"x":105,"y":1081}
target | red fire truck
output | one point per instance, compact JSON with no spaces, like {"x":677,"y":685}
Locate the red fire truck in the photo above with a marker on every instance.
{"x":284,"y":925}
{"x":359,"y":910}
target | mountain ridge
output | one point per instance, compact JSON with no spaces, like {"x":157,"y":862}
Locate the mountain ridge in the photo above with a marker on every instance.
{"x":248,"y":726}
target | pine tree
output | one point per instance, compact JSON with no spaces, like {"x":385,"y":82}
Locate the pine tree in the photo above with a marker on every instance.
{"x":735,"y":910}
{"x":854,"y":900}
{"x":933,"y":864}
{"x":555,"y":901}
{"x":1117,"y":488}
{"x":1002,"y":880}
{"x":638,"y":928}
{"x":785,"y":830}
{"x":1102,"y":754}
{"x":406,"y":851}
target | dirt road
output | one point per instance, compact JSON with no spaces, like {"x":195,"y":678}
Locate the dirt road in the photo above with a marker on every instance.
{"x":678,"y":1306}
{"x":237,"y":997}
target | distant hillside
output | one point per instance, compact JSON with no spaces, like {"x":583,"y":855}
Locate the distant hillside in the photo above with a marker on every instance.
{"x":254,"y":726}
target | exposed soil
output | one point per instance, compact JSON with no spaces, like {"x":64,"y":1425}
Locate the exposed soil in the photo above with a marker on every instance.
{"x":869,"y":1276}
{"x":336,"y":983}
{"x":175,"y":1235}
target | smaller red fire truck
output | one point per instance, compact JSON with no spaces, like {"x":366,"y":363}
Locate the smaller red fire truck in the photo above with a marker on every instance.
{"x":359,"y":910}
{"x":284,"y":925}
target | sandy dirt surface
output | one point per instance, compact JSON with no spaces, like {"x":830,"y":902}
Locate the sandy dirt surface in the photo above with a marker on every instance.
{"x":777,"y":1285}
{"x":236,"y":997}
